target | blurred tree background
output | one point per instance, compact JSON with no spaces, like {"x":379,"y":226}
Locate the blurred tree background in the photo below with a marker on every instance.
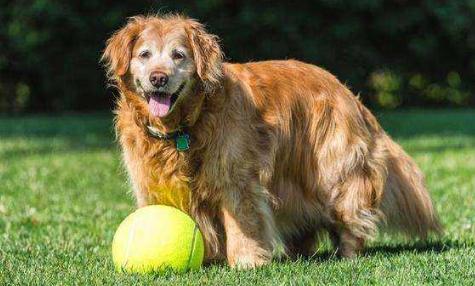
{"x":392,"y":52}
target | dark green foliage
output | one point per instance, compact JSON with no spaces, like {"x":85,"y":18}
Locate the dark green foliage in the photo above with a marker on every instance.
{"x":395,"y":53}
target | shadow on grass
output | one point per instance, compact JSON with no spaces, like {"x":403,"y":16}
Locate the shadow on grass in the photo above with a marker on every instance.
{"x":393,"y":250}
{"x":47,"y":135}
{"x":44,"y":150}
{"x":418,"y":247}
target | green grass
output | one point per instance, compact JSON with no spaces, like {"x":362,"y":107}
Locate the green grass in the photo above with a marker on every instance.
{"x":63,"y":193}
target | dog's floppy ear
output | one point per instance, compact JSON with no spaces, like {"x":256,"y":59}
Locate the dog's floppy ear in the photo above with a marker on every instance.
{"x":207,"y":54}
{"x":118,"y":51}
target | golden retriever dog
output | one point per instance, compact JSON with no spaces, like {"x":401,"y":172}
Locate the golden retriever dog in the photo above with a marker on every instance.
{"x":264,"y":156}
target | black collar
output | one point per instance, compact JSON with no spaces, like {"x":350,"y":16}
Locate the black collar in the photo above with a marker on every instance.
{"x":180,"y":136}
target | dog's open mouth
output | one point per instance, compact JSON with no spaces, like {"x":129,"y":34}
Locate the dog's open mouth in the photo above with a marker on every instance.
{"x":160,"y":103}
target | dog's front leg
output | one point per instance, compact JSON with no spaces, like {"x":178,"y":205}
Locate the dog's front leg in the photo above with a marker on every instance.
{"x":137,"y":175}
{"x":249,"y":227}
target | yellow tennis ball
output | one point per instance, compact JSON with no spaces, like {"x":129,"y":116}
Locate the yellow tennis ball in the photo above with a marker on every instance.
{"x":156,"y":238}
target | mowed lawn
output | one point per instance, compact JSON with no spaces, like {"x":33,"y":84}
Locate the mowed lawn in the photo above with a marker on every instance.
{"x":63,"y":193}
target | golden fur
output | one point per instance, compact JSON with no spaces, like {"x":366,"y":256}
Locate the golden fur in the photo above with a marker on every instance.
{"x":280,"y":150}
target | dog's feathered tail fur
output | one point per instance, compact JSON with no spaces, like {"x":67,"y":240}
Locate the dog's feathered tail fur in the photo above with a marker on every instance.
{"x":406,"y":203}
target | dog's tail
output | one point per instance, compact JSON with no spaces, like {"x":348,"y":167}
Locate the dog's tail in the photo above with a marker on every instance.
{"x":406,"y":202}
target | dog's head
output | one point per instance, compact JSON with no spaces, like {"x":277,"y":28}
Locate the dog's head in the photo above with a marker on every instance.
{"x":164,"y":61}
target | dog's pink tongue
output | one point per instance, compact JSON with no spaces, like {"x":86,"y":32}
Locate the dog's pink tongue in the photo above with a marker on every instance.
{"x":159,"y":105}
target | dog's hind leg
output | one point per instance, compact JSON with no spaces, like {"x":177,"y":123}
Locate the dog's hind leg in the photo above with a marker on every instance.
{"x":302,"y":245}
{"x":355,"y":213}
{"x":345,"y":243}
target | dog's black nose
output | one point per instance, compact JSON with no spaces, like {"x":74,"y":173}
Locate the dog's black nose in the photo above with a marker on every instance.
{"x":158,"y":79}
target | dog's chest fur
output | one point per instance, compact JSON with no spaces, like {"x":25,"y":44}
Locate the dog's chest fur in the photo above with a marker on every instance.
{"x":161,"y":174}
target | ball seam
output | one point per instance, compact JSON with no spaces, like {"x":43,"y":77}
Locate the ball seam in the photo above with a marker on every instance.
{"x":192,"y":250}
{"x":129,"y":242}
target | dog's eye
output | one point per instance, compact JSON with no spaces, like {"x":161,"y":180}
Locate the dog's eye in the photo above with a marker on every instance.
{"x":145,"y":54}
{"x":178,"y":55}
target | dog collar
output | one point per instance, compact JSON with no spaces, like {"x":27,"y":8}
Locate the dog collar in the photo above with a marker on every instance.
{"x":181,"y":137}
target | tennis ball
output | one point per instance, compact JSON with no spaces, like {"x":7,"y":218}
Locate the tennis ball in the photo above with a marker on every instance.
{"x":156,"y":238}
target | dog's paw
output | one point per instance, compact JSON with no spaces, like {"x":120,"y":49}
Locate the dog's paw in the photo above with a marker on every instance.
{"x":249,"y":261}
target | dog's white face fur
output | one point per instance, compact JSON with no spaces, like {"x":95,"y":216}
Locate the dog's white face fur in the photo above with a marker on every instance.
{"x":160,"y":61}
{"x":167,"y":54}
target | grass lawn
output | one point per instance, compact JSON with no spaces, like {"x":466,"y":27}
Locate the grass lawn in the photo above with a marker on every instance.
{"x":63,"y":193}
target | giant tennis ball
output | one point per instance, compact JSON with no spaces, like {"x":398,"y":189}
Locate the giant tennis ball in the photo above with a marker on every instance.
{"x":156,"y":238}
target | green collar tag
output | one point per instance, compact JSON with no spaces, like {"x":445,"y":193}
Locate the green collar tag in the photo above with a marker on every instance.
{"x":182,"y":142}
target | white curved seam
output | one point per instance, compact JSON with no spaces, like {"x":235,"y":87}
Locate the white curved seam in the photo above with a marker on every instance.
{"x":129,"y":242}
